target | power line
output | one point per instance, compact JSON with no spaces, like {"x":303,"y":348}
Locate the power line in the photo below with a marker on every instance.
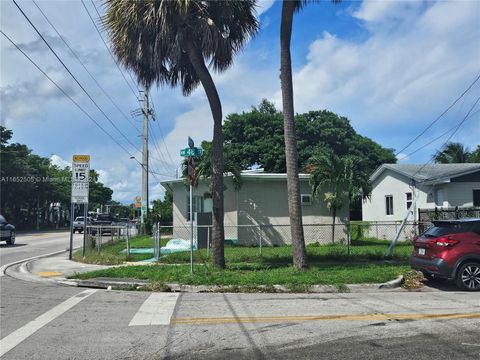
{"x":100,"y":16}
{"x":109,"y":51}
{"x":66,"y":94}
{"x":79,"y":106}
{"x":440,"y":116}
{"x":155,"y":144}
{"x":162,"y":136}
{"x":83,"y":65}
{"x":454,"y":132}
{"x":73,"y":76}
{"x":437,"y":138}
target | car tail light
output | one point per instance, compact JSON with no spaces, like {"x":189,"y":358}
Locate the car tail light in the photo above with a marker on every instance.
{"x":444,"y":242}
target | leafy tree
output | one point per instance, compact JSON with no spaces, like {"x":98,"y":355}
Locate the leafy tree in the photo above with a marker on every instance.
{"x":452,"y":153}
{"x":163,"y":209}
{"x":31,"y":186}
{"x":256,"y":137}
{"x":342,"y":179}
{"x":169,"y":42}
{"x":474,"y":156}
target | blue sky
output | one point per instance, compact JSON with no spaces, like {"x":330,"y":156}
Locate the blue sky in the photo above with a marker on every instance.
{"x":391,"y":67}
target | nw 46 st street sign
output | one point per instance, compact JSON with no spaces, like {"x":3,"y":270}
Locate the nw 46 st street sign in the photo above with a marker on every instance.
{"x":191,"y":152}
{"x":80,"y":178}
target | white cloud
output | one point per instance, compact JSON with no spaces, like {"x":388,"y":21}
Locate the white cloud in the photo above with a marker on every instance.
{"x":263,"y":6}
{"x":385,"y":78}
{"x":59,"y":161}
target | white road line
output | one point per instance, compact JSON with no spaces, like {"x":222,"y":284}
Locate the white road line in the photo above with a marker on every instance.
{"x":4,"y":268}
{"x":467,"y":344}
{"x":16,"y":337}
{"x":156,"y":310}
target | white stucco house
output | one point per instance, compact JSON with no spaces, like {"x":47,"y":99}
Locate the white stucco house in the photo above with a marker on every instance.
{"x":261,"y":200}
{"x":395,"y":186}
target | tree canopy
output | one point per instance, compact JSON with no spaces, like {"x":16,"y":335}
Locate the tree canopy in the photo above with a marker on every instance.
{"x":454,"y":152}
{"x":30,"y":182}
{"x":256,"y":137}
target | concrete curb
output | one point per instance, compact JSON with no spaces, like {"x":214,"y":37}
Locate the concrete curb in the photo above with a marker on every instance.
{"x":4,"y":268}
{"x":131,"y":284}
{"x":174,"y":287}
{"x":393,"y":283}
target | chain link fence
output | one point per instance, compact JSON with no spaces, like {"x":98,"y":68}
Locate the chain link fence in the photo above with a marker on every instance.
{"x":97,"y":236}
{"x":344,"y":238}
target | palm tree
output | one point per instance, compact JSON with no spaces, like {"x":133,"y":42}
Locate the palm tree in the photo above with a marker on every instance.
{"x":169,"y":42}
{"x":289,"y":7}
{"x":341,"y":179}
{"x":452,"y":153}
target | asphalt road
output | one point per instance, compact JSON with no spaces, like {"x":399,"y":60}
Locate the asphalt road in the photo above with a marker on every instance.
{"x":36,"y":243}
{"x":45,"y":321}
{"x":74,"y":323}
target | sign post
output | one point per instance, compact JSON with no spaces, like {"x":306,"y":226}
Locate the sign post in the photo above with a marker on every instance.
{"x":190,"y":152}
{"x":80,"y":186}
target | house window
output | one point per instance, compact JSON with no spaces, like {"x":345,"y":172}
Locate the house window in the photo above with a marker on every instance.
{"x":409,"y":200}
{"x":197,"y":206}
{"x":476,"y":197}
{"x":389,"y":204}
{"x":306,"y":199}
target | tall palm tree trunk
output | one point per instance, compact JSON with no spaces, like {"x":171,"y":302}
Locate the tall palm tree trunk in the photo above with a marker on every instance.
{"x":293,"y":182}
{"x":218,"y":233}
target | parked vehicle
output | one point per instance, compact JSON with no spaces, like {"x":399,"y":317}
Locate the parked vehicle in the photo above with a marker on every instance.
{"x":450,"y":249}
{"x":7,"y":231}
{"x":78,"y":224}
{"x":103,"y":222}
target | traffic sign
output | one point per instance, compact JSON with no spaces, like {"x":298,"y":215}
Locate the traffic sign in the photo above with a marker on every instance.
{"x":80,"y":178}
{"x":191,"y":152}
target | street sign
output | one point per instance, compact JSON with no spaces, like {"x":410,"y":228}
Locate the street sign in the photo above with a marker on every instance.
{"x":138,"y":202}
{"x":80,"y":178}
{"x":191,"y":152}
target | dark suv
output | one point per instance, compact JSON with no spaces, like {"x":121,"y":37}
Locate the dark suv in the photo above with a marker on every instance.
{"x":450,"y":249}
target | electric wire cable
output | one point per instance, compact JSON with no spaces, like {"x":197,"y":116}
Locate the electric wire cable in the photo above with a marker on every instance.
{"x":110,"y":51}
{"x":73,"y":76}
{"x":77,"y":104}
{"x":453,"y":133}
{"x":100,"y":17}
{"x":437,"y":138}
{"x":441,"y":115}
{"x":84,"y":67}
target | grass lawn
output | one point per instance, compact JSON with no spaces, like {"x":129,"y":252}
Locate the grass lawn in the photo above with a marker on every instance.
{"x":246,"y":267}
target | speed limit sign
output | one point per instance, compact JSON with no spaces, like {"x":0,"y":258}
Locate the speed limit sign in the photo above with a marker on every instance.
{"x":80,"y":178}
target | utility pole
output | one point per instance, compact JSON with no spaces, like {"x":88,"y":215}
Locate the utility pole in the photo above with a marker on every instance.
{"x":144,"y":208}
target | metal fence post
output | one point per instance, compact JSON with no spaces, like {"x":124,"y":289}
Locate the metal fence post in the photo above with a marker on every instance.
{"x":128,"y":242}
{"x":348,"y":238}
{"x":208,"y":241}
{"x":261,"y":236}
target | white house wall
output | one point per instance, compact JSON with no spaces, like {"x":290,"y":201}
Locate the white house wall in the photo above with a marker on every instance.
{"x":391,"y":183}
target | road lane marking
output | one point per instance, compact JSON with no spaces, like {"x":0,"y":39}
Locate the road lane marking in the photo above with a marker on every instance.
{"x":48,"y":273}
{"x":19,"y":335}
{"x":467,"y":344}
{"x":156,"y":310}
{"x":348,"y":317}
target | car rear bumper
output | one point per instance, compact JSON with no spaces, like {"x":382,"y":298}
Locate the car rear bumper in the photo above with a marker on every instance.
{"x":438,"y":267}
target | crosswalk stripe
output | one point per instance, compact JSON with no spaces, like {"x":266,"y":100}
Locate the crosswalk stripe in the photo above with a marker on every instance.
{"x":16,"y":337}
{"x":156,"y":310}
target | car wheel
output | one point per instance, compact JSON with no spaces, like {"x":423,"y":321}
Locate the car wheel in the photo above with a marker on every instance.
{"x":468,"y":277}
{"x":11,"y":240}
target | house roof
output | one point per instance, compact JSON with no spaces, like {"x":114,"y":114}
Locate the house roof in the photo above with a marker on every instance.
{"x":249,"y":175}
{"x":430,"y":172}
